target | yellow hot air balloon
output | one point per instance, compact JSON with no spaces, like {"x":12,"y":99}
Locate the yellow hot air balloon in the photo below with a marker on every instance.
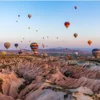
{"x":3,"y":53}
{"x":75,"y":35}
{"x":7,"y":45}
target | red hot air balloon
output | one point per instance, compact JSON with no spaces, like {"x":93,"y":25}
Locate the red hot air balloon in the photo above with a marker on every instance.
{"x":67,"y":24}
{"x":36,"y":53}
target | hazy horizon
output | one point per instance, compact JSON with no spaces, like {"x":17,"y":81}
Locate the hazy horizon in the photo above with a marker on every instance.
{"x":48,"y":18}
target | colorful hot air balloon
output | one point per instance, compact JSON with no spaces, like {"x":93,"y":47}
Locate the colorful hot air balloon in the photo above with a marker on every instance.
{"x":75,"y":35}
{"x":7,"y":45}
{"x":75,"y":7}
{"x":16,"y":45}
{"x":96,"y":53}
{"x":89,"y":42}
{"x":29,"y":16}
{"x":34,"y":46}
{"x":3,"y":53}
{"x":67,"y":24}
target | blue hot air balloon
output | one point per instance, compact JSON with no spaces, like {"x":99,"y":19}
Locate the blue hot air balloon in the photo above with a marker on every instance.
{"x":16,"y":45}
{"x":96,"y":53}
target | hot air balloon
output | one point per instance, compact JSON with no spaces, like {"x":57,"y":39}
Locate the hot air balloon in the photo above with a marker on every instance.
{"x":45,"y":54}
{"x":16,"y":45}
{"x":29,"y":16}
{"x":76,"y":53}
{"x":22,"y":51}
{"x":75,"y":7}
{"x":43,"y":45}
{"x":34,"y":46}
{"x":36,"y":53}
{"x":28,"y":27}
{"x":57,"y":37}
{"x":18,"y":15}
{"x":3,"y":53}
{"x":16,"y":20}
{"x":89,"y":42}
{"x":36,"y":30}
{"x":7,"y":45}
{"x":67,"y":24}
{"x":96,"y":53}
{"x":69,"y":57}
{"x":75,"y":35}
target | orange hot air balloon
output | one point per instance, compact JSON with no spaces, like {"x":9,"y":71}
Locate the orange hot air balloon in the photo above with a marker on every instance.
{"x":67,"y":24}
{"x":69,"y":57}
{"x":89,"y":42}
{"x":75,"y":35}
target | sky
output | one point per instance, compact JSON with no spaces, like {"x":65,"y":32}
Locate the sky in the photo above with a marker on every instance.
{"x":48,"y":18}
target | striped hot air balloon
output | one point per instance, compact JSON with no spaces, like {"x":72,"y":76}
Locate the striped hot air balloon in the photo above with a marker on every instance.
{"x":34,"y":46}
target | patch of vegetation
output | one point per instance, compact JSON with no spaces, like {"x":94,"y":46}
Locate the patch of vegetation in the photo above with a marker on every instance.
{"x":53,"y":71}
{"x":1,"y":82}
{"x":3,"y":66}
{"x":44,"y":77}
{"x":21,"y":88}
{"x":29,"y":59}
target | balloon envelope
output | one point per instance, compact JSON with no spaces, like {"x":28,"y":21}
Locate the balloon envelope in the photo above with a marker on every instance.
{"x":34,"y":46}
{"x":7,"y":45}
{"x":75,"y":35}
{"x":29,"y":15}
{"x":75,"y":7}
{"x":89,"y":42}
{"x":16,"y":45}
{"x":3,"y":53}
{"x":96,"y":52}
{"x":36,"y":53}
{"x":67,"y":24}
